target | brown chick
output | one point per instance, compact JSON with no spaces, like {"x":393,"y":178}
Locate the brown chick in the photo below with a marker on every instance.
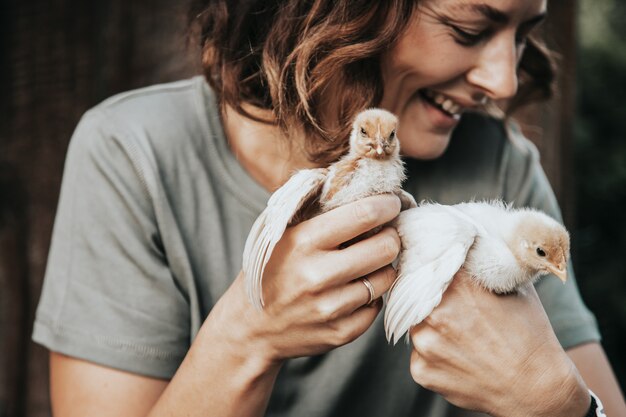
{"x":372,"y":166}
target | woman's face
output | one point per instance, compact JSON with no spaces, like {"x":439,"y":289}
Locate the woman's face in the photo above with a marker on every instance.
{"x":453,"y":55}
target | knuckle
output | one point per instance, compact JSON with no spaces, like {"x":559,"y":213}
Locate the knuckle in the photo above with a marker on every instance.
{"x":417,"y":368}
{"x":326,"y":311}
{"x":426,"y":344}
{"x":432,"y":320}
{"x":311,"y":281}
{"x":413,"y":335}
{"x":303,"y":242}
{"x":437,"y":320}
{"x":366,"y":213}
{"x":344,"y":334}
{"x":390,"y":276}
{"x":421,"y":373}
{"x":349,"y":334}
{"x":336,"y":334}
{"x":390,"y":246}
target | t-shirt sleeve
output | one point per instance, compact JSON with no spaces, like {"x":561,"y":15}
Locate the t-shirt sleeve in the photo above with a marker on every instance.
{"x":108,"y":295}
{"x":527,"y":185}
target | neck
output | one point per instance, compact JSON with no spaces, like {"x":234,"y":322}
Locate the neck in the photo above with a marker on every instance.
{"x":262,"y":149}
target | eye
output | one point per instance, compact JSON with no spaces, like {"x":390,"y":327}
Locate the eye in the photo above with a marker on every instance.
{"x":363,"y":132}
{"x":392,"y":135}
{"x":541,"y":252}
{"x":466,"y":38}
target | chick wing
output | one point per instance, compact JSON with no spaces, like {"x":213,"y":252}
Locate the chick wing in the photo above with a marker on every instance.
{"x":284,"y":207}
{"x":435,"y":242}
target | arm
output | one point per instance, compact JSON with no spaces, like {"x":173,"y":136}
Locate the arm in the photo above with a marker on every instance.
{"x":230,"y":369}
{"x":212,"y":380}
{"x":595,"y":369}
{"x":79,"y":388}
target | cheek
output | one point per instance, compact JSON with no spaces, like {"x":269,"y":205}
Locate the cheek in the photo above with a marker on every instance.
{"x":427,"y":56}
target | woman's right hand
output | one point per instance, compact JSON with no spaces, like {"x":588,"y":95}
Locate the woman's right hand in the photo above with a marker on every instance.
{"x":314,"y":298}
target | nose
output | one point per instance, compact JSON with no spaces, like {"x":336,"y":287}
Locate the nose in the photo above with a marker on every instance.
{"x":495,"y":71}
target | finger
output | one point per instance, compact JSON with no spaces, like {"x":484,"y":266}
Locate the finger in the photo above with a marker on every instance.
{"x":364,"y":257}
{"x":427,"y":343}
{"x":331,"y":229}
{"x":418,"y":368}
{"x":348,"y":328}
{"x":345,"y":299}
{"x":359,"y":294}
{"x":415,"y":331}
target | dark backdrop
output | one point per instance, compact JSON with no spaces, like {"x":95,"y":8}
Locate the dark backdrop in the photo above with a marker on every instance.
{"x":57,"y":59}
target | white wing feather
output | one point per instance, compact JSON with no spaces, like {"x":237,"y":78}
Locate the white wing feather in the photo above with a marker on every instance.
{"x":269,"y":227}
{"x":435,"y":241}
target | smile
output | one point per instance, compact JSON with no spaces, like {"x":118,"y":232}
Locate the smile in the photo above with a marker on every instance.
{"x":443,"y":103}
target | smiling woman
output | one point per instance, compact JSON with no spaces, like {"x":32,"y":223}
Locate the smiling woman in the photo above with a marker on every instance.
{"x":143,"y":305}
{"x":474,"y":52}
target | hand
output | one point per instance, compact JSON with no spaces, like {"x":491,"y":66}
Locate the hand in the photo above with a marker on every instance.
{"x":496,"y":354}
{"x":314,"y":298}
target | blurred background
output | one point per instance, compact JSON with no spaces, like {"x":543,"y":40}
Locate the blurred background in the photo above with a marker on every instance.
{"x":59,"y":58}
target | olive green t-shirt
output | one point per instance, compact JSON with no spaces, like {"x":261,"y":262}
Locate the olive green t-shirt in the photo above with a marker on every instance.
{"x":152,"y":219}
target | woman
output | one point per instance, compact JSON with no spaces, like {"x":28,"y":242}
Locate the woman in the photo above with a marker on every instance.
{"x":143,"y":302}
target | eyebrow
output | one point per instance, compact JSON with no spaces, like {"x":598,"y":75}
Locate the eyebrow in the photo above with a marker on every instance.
{"x":491,"y":13}
{"x":498,"y":16}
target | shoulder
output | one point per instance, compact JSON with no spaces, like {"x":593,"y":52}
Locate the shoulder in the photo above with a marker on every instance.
{"x":163,"y":117}
{"x":156,"y":128}
{"x":156,"y":104}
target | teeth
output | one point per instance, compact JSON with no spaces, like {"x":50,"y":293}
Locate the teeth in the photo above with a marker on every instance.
{"x":445,"y":103}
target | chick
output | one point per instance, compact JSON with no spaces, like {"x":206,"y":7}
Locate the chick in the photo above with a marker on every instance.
{"x":371,"y":166}
{"x":499,"y":247}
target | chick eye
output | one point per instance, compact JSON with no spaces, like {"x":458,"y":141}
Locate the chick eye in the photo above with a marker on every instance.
{"x":541,"y":252}
{"x":392,"y":135}
{"x":363,"y":132}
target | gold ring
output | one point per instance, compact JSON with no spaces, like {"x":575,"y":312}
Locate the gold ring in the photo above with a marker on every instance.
{"x":370,"y":289}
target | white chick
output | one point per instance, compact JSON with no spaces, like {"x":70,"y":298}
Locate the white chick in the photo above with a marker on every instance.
{"x":372,"y":166}
{"x":500,"y":247}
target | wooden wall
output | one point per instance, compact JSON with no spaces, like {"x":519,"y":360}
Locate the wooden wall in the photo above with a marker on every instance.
{"x":58,"y":58}
{"x":550,"y":124}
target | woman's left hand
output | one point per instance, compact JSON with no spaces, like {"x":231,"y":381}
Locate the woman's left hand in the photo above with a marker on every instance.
{"x":496,"y":354}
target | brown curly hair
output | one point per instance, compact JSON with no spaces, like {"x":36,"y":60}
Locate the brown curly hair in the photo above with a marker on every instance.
{"x":284,"y":55}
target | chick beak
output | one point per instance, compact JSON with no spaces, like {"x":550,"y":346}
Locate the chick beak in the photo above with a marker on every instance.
{"x":559,"y":270}
{"x":379,"y":149}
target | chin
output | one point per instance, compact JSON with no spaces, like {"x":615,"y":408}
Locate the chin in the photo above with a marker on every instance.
{"x":425,"y":145}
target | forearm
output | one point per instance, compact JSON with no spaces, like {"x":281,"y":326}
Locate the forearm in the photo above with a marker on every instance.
{"x":219,"y":377}
{"x":595,"y":369}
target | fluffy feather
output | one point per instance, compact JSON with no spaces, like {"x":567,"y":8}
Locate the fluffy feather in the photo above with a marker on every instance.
{"x":501,"y":248}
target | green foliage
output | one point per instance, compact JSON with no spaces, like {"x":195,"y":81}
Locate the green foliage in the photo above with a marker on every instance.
{"x":600,"y":161}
